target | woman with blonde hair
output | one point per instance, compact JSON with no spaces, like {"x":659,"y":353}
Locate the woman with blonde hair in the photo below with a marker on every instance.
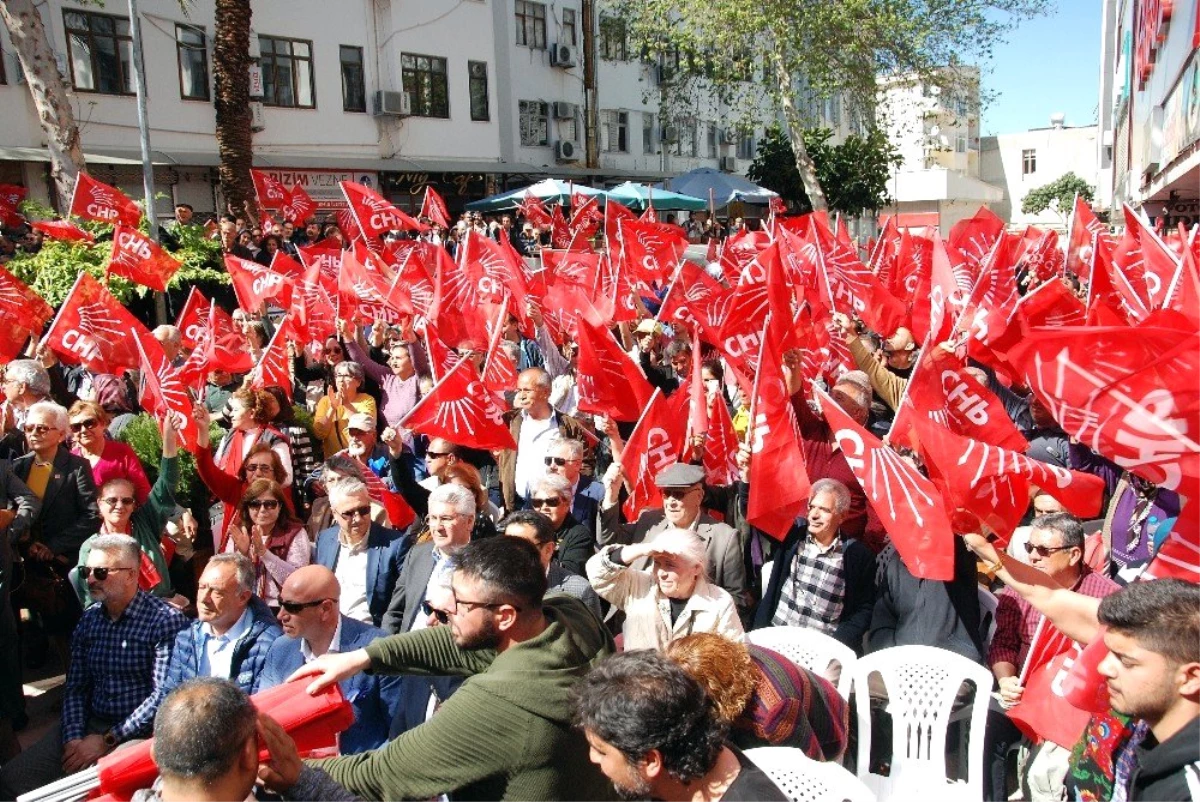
{"x":670,"y":600}
{"x":109,"y":459}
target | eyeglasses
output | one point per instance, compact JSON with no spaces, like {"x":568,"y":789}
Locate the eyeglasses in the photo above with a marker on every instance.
{"x":260,"y":467}
{"x":442,"y":616}
{"x":101,"y":574}
{"x":37,"y":428}
{"x":344,"y":376}
{"x":359,"y":432}
{"x":118,"y":501}
{"x":436,"y":454}
{"x":295,"y":608}
{"x":358,"y":512}
{"x":677,"y":492}
{"x":470,"y":605}
{"x":444,"y":520}
{"x":560,"y":461}
{"x":552,"y":503}
{"x":1044,"y":551}
{"x":263,"y":504}
{"x":79,"y":426}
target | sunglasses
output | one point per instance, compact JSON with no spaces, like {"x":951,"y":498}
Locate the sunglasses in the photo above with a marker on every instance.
{"x":118,"y":501}
{"x":559,"y":461}
{"x":263,"y":504}
{"x":359,"y":432}
{"x":295,"y":608}
{"x":676,"y":492}
{"x":79,"y":426}
{"x":1044,"y":551}
{"x":259,"y":467}
{"x":101,"y":574}
{"x":552,"y":503}
{"x":436,"y":454}
{"x":441,"y":616}
{"x":37,"y":428}
{"x":357,"y":512}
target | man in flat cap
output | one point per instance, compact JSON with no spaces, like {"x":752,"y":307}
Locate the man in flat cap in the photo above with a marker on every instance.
{"x":682,"y":487}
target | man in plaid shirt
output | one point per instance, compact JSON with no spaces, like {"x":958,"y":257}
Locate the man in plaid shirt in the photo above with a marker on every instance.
{"x":119,"y":656}
{"x":1055,"y":546}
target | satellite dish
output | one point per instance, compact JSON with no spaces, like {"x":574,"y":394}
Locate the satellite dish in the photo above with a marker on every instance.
{"x":934,"y":130}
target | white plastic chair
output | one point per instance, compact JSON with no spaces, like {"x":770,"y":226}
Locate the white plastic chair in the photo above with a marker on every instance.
{"x":988,"y":602}
{"x":922,"y":683}
{"x":803,"y":779}
{"x":809,"y":649}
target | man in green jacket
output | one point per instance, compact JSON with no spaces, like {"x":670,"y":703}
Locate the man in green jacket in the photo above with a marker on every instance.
{"x":506,"y":733}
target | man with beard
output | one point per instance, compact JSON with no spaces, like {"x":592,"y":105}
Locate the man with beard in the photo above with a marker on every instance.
{"x":655,"y":733}
{"x":506,"y":733}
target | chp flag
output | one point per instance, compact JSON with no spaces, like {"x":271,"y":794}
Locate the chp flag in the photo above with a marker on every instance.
{"x":93,"y":328}
{"x":93,"y":200}
{"x":140,"y":259}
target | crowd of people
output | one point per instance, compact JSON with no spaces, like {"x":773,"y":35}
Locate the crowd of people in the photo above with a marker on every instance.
{"x":499,"y":623}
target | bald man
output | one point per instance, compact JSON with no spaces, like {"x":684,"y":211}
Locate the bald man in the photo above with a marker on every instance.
{"x":312,"y":626}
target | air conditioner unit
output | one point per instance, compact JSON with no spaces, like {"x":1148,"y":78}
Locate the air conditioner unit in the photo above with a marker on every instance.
{"x":729,"y":164}
{"x":728,"y":136}
{"x":670,"y":133}
{"x":564,"y":111}
{"x":392,"y":104}
{"x":258,"y":120}
{"x":563,"y":56}
{"x":566,"y":151}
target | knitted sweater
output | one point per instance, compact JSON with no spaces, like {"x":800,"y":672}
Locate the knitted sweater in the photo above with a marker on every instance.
{"x":506,"y":733}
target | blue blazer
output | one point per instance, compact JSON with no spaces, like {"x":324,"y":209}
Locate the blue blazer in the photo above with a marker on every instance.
{"x":375,"y":698}
{"x":386,"y":550}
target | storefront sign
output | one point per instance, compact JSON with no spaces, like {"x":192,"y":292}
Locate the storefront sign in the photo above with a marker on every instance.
{"x":322,"y":185}
{"x":1152,"y":18}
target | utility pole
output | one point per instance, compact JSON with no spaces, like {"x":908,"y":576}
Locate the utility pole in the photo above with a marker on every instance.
{"x":591,"y":106}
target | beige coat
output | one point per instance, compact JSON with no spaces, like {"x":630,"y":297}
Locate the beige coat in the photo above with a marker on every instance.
{"x":648,"y":612}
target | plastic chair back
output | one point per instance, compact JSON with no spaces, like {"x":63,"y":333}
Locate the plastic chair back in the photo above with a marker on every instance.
{"x":809,"y":649}
{"x":803,"y":779}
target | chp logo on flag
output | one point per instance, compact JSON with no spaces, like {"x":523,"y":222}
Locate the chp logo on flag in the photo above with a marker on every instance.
{"x":93,"y":200}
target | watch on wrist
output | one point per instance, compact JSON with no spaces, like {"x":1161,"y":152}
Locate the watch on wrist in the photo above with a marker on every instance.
{"x":110,"y":739}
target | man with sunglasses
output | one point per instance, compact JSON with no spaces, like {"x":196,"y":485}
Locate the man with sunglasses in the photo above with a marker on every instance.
{"x":116,"y":678}
{"x":312,"y":626}
{"x":565,"y":458}
{"x":1055,"y":547}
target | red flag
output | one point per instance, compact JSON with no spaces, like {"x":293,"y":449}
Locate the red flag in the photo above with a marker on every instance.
{"x":778,"y":478}
{"x":193,"y":318}
{"x":93,"y":328}
{"x":654,"y":444}
{"x":585,"y":216}
{"x":93,"y":200}
{"x":534,"y":211}
{"x":140,"y":259}
{"x":328,"y":257}
{"x":433,"y":207}
{"x":1040,"y":252}
{"x":560,"y":230}
{"x":688,"y":298}
{"x":11,"y":195}
{"x":490,"y":271}
{"x":653,"y":250}
{"x":163,"y":391}
{"x":374,"y":214}
{"x":697,"y":402}
{"x":975,"y":236}
{"x":1183,"y":294}
{"x":365,"y":296}
{"x":348,"y":224}
{"x":721,"y":445}
{"x":580,"y":268}
{"x":1084,"y":228}
{"x":1052,"y":304}
{"x":271,"y":192}
{"x":614,"y":213}
{"x":608,"y":380}
{"x":499,"y":370}
{"x":941,"y":298}
{"x":1043,"y":713}
{"x":855,"y":289}
{"x":255,"y":284}
{"x":313,"y":315}
{"x":908,"y":504}
{"x":442,"y":358}
{"x":1160,"y":265}
{"x":462,"y":410}
{"x":20,"y":304}
{"x":299,"y":206}
{"x":1179,"y":554}
{"x":226,"y":346}
{"x":274,"y":366}
{"x":991,"y":303}
{"x":614,"y":294}
{"x":62,"y":229}
{"x":286,"y":266}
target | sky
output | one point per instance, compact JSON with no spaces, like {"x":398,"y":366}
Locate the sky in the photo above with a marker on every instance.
{"x":1047,"y":65}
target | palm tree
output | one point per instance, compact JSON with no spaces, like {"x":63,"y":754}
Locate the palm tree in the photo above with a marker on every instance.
{"x":231,"y":80}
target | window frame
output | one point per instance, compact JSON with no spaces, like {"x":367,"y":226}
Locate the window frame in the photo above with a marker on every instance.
{"x":122,"y":79}
{"x":362,"y":77}
{"x":293,"y":58}
{"x":608,"y":48}
{"x":416,"y":108}
{"x":1028,"y":161}
{"x":487,"y":101}
{"x":543,"y":109}
{"x":530,"y":16}
{"x":183,"y":47}
{"x":572,"y":27}
{"x":651,"y":146}
{"x":615,"y":121}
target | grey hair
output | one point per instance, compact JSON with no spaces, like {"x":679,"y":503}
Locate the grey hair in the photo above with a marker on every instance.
{"x":458,"y":497}
{"x":201,"y":728}
{"x":541,"y":377}
{"x":861,"y":395}
{"x":345,"y":486}
{"x":123,"y":546}
{"x":677,"y":347}
{"x":856,"y":377}
{"x":1065,"y":524}
{"x":556,"y":484}
{"x":242,"y":565}
{"x":840,"y":493}
{"x":577,"y":448}
{"x":343,"y":465}
{"x":168,"y":333}
{"x":30,"y":373}
{"x":355,"y":369}
{"x":55,"y":412}
{"x":686,"y":543}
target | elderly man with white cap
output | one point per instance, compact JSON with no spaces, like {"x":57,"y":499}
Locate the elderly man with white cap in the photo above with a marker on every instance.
{"x":682,"y":488}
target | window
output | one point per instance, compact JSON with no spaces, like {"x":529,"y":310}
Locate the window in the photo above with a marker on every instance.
{"x":101,"y":52}
{"x":960,"y":143}
{"x":531,"y":24}
{"x":193,"y":62}
{"x":534,"y":118}
{"x":478,"y":88}
{"x":649,"y":134}
{"x":614,"y":44}
{"x":616,"y":130}
{"x":746,"y":148}
{"x":287,"y":73}
{"x":1028,"y":162}
{"x":569,"y":35}
{"x":354,"y":86}
{"x":711,"y":139}
{"x":425,"y":84}
{"x":685,"y":142}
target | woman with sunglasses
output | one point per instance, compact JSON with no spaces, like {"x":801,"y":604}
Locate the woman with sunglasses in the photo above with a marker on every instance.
{"x":573,"y":542}
{"x":122,"y":514}
{"x":271,"y":537}
{"x":109,"y":459}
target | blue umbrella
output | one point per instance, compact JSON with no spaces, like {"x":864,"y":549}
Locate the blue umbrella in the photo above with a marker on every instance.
{"x":725,"y":188}
{"x":637,"y":196}
{"x":550,"y":190}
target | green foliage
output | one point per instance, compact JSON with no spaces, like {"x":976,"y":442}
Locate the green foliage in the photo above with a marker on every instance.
{"x":142,"y":435}
{"x":853,"y":174}
{"x":1058,"y":195}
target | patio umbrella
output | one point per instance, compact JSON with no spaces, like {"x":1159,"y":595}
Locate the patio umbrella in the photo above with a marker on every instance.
{"x":636,"y":196}
{"x":725,"y":187}
{"x":550,"y":190}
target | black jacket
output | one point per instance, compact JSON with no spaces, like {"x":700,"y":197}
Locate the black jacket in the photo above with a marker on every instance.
{"x":858,"y":567}
{"x":69,"y":513}
{"x":1169,"y":770}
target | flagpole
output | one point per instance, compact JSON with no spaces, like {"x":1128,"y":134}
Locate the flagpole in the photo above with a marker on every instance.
{"x":762,"y":345}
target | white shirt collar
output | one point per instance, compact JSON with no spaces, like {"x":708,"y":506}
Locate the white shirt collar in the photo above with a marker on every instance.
{"x":335,"y":645}
{"x":234,"y":632}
